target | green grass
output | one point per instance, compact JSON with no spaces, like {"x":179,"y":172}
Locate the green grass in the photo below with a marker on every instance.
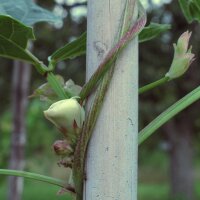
{"x":158,"y":191}
{"x":37,"y":191}
{"x":41,"y":191}
{"x":153,"y":191}
{"x":153,"y":180}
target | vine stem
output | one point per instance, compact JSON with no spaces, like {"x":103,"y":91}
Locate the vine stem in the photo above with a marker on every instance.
{"x":153,"y":85}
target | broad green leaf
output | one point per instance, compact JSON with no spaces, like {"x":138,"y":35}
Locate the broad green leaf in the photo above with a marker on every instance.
{"x":15,"y":31}
{"x":2,"y":11}
{"x":197,"y":3}
{"x":190,"y":9}
{"x":184,"y":4}
{"x":195,"y":10}
{"x":70,"y":50}
{"x":152,"y":31}
{"x":13,"y":39}
{"x":27,"y":11}
{"x":9,"y":49}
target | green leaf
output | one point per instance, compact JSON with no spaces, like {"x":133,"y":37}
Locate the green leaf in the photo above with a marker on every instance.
{"x":46,"y":93}
{"x":57,"y":86}
{"x":15,"y":31}
{"x":195,"y":10}
{"x":2,"y":11}
{"x":169,"y":114}
{"x":152,"y":31}
{"x":190,"y":9}
{"x":27,"y":12}
{"x":70,"y":50}
{"x":78,"y":46}
{"x":14,"y":37}
{"x":34,"y":176}
{"x":197,"y":3}
{"x":9,"y":49}
{"x":184,"y":4}
{"x":71,"y":88}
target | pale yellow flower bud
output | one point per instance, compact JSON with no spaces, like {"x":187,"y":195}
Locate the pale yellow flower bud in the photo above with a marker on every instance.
{"x":68,"y":116}
{"x":182,"y":57}
{"x":183,"y":43}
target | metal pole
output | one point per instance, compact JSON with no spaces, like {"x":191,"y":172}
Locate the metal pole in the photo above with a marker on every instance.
{"x":111,"y":166}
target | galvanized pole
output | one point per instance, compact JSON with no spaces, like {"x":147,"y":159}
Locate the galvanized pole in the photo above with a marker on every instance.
{"x":111,"y":166}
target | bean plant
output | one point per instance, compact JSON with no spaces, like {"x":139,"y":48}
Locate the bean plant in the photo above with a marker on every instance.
{"x":67,"y":100}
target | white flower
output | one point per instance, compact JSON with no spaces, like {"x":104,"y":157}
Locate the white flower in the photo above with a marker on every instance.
{"x":68,"y":116}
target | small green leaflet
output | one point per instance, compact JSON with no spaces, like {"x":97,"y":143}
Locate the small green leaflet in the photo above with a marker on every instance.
{"x":27,"y":12}
{"x":190,"y":9}
{"x":13,"y":39}
{"x":46,"y":93}
{"x":152,"y":31}
{"x":70,"y":50}
{"x":56,"y":86}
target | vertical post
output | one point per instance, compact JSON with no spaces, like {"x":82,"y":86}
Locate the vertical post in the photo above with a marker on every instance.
{"x":111,"y":165}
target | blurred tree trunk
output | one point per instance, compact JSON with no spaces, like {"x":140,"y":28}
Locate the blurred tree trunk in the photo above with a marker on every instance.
{"x":20,"y":86}
{"x":181,"y":158}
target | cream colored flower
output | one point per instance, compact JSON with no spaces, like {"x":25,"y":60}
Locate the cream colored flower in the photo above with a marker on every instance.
{"x":68,"y":116}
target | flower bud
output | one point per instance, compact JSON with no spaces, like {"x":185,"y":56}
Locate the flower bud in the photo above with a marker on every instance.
{"x":182,"y":43}
{"x":68,"y":116}
{"x":182,"y":57}
{"x":62,"y":148}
